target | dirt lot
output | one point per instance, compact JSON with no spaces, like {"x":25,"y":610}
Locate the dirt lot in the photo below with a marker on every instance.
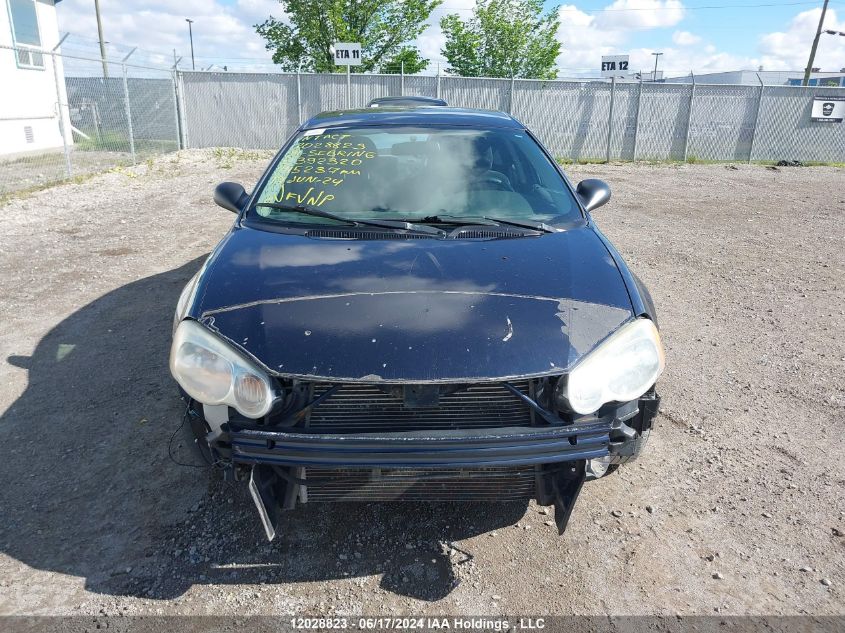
{"x":738,"y":506}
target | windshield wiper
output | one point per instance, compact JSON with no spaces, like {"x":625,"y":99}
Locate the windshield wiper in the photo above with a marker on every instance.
{"x":319,"y":213}
{"x":481,"y":221}
{"x":525,"y":224}
{"x":454,"y":220}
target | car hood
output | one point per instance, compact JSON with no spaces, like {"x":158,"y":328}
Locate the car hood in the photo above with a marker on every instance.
{"x":412,"y":310}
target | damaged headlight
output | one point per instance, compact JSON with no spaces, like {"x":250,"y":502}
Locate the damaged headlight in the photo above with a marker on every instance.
{"x":622,"y":368}
{"x":212,"y":372}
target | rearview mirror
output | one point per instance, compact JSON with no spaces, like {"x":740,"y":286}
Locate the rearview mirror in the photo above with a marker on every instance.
{"x":593,"y":193}
{"x":231,"y":196}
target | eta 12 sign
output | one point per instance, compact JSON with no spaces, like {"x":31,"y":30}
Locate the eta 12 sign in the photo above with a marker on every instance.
{"x":347,"y":54}
{"x":614,"y":66}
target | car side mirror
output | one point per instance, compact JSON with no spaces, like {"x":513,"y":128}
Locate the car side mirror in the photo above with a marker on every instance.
{"x":231,"y":196}
{"x":593,"y":193}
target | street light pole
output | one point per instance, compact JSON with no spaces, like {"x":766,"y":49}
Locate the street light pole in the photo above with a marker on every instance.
{"x":191,"y":35}
{"x":656,"y":57}
{"x":102,"y":43}
{"x":815,"y":45}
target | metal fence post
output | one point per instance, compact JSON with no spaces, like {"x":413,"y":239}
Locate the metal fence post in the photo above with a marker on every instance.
{"x":128,"y":109}
{"x":61,"y":112}
{"x":510,"y":96}
{"x":610,"y":116}
{"x":437,"y":85}
{"x":183,"y":109}
{"x":637,"y":120}
{"x":401,"y":77}
{"x":180,"y":104}
{"x":756,"y":118}
{"x":349,"y":87}
{"x":689,"y":118}
{"x":176,"y":118}
{"x":299,"y":93}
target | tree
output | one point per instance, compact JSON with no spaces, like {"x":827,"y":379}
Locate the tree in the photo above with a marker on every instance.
{"x":503,"y":38}
{"x":304,"y":40}
{"x":407,"y":60}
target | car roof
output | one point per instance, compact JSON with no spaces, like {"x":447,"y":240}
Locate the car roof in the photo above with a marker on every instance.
{"x":422,"y":115}
{"x":406,"y":101}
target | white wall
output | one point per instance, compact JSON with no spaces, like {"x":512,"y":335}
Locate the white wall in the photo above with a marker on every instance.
{"x":35,"y":101}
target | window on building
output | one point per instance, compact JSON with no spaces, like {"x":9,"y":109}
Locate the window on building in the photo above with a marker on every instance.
{"x":25,"y":33}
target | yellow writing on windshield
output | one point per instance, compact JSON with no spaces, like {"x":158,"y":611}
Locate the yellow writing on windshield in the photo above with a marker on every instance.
{"x":311,"y":198}
{"x":317,"y":162}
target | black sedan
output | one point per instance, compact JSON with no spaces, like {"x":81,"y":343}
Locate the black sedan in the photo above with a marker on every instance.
{"x":414,"y":303}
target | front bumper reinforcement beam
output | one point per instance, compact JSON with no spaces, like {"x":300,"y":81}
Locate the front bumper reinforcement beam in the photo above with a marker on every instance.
{"x":515,"y":446}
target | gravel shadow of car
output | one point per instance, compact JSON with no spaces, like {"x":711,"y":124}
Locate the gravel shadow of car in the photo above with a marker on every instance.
{"x":90,"y":490}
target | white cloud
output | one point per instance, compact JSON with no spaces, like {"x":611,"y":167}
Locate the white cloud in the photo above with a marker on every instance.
{"x":680,"y":61}
{"x":584,"y":41}
{"x":256,"y":11}
{"x":790,"y":49}
{"x":223,"y":32}
{"x":431,"y":41}
{"x":159,"y":26}
{"x":587,"y":36}
{"x":641,"y":14}
{"x":685,"y":38}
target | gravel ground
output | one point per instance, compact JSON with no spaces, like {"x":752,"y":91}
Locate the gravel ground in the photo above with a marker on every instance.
{"x":40,"y":169}
{"x":738,"y":506}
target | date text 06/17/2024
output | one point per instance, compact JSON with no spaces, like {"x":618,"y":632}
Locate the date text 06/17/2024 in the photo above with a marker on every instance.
{"x":417,"y":623}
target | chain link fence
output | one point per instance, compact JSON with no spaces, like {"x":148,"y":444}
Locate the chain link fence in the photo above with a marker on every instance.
{"x":576,"y":120}
{"x":78,"y":115}
{"x":72,"y":116}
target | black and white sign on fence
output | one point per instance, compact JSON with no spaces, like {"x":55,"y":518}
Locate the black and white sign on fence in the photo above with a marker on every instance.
{"x":347,"y":54}
{"x":828,"y":109}
{"x":614,"y":66}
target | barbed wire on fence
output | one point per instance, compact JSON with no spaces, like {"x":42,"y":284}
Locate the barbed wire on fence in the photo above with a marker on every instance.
{"x":74,"y":114}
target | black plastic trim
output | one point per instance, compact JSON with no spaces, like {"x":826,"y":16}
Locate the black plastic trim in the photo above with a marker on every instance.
{"x":514,"y":446}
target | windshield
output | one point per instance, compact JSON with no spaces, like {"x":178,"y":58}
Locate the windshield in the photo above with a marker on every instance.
{"x":414,"y":174}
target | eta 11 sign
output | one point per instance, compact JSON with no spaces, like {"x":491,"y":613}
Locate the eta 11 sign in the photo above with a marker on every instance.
{"x":347,"y":54}
{"x":828,"y":109}
{"x":614,"y":66}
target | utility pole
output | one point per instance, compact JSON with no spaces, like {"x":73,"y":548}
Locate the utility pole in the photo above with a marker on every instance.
{"x":191,"y":35}
{"x":656,"y":57}
{"x":102,"y":43}
{"x":809,"y":68}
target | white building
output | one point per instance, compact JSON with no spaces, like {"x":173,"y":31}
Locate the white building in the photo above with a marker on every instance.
{"x":32,"y":84}
{"x":768,"y":77}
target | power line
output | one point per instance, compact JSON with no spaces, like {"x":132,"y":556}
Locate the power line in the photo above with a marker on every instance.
{"x":701,"y":7}
{"x":664,"y":8}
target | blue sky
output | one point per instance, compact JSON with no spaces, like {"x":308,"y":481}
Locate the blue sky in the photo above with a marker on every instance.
{"x":693,"y":34}
{"x":734,"y":30}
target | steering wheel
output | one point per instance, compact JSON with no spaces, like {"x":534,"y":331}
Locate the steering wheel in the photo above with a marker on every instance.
{"x":491,"y":181}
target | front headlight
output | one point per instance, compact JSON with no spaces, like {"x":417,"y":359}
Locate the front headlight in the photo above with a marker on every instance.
{"x":622,"y":368}
{"x":212,"y":372}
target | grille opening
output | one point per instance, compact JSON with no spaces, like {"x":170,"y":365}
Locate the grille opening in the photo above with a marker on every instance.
{"x":409,"y":484}
{"x":28,"y":134}
{"x":369,"y":408}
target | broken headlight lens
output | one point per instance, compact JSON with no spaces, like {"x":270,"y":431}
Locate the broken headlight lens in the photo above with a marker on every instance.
{"x":621,"y":369}
{"x":212,"y":372}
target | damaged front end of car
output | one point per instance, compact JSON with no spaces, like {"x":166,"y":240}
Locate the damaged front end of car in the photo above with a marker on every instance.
{"x":331,"y":441}
{"x":419,"y":369}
